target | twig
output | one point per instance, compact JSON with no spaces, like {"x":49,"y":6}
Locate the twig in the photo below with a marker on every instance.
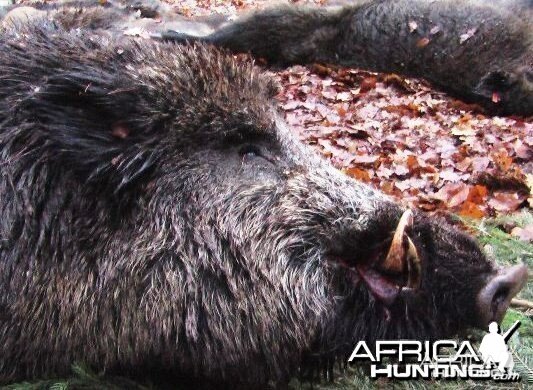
{"x":522,"y":303}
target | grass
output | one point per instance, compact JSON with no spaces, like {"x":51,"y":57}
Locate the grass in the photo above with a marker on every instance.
{"x":82,"y":379}
{"x":505,"y":250}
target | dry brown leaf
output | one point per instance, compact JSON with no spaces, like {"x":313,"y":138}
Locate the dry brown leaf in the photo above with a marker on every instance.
{"x":368,"y":84}
{"x":502,"y":159}
{"x":357,"y":173}
{"x":453,"y":194}
{"x":471,"y":210}
{"x":477,"y":194}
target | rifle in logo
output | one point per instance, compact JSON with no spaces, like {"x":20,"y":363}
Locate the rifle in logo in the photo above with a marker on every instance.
{"x":510,"y":332}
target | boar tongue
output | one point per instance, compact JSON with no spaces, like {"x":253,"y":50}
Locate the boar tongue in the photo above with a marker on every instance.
{"x":381,"y":288}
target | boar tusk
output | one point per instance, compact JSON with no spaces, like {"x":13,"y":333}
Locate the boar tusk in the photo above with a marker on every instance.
{"x":413,"y":266}
{"x":395,"y":260}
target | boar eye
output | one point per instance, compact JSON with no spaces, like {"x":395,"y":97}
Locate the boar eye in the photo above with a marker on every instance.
{"x":249,"y":151}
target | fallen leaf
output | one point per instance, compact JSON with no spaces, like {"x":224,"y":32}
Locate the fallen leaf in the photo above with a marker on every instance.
{"x":505,"y":202}
{"x":400,"y":170}
{"x":471,"y":210}
{"x":477,"y":194}
{"x":453,"y":194}
{"x":412,"y":163}
{"x":368,"y":84}
{"x":502,"y":159}
{"x":341,"y":110}
{"x":293,"y":104}
{"x":464,"y":130}
{"x":398,"y":82}
{"x":523,"y":234}
{"x":464,"y":165}
{"x":449,"y":175}
{"x":410,"y":110}
{"x":458,"y":198}
{"x":365,"y":159}
{"x":357,"y":173}
{"x":344,"y":96}
{"x":480,"y":164}
{"x":522,"y":151}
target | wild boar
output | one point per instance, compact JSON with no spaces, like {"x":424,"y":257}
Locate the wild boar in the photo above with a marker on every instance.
{"x":479,"y":51}
{"x":157,"y":213}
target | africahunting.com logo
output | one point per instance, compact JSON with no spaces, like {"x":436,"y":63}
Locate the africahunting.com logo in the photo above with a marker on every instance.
{"x":443,"y":359}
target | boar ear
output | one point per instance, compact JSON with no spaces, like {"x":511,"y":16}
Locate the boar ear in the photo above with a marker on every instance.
{"x":93,"y":127}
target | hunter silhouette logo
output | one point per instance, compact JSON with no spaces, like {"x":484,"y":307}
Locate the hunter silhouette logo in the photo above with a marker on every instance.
{"x":493,"y":348}
{"x":442,"y":359}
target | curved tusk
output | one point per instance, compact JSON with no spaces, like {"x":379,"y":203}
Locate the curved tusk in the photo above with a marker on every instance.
{"x":414,"y":268}
{"x":395,"y":260}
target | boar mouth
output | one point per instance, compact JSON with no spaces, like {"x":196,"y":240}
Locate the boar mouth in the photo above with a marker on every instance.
{"x":387,"y":276}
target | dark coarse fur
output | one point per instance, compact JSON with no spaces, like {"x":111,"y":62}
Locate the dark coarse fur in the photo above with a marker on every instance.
{"x":157,"y":213}
{"x":109,"y":16}
{"x":477,"y":50}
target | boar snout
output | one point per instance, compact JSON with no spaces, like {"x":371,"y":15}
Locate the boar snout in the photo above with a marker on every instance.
{"x":494,"y":299}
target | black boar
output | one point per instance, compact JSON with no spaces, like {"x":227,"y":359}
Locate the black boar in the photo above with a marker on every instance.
{"x":156,"y":212}
{"x":477,"y":50}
